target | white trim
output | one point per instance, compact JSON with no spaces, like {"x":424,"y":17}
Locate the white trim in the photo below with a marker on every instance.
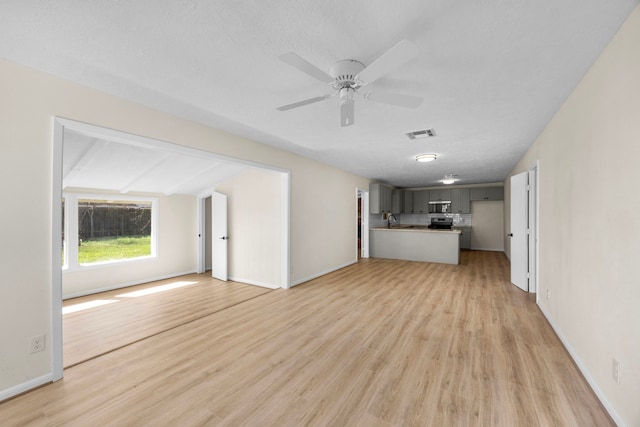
{"x":127,"y":284}
{"x":532,"y":223}
{"x":285,"y":232}
{"x":25,"y":386}
{"x":56,"y":349}
{"x":487,"y":249}
{"x":594,"y":385}
{"x":322,"y":273}
{"x":253,"y":282}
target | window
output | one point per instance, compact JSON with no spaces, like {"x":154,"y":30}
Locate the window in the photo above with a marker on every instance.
{"x":103,"y":230}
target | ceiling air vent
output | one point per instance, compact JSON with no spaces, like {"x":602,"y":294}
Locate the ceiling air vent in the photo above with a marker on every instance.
{"x":421,"y":134}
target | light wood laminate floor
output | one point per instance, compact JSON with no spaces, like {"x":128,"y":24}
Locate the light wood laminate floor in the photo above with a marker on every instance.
{"x":379,"y":343}
{"x":138,"y":312}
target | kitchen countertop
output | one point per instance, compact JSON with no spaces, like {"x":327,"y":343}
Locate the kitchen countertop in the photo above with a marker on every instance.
{"x":416,"y":227}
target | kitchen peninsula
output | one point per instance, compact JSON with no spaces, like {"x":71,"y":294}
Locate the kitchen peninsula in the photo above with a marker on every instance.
{"x":415,"y":243}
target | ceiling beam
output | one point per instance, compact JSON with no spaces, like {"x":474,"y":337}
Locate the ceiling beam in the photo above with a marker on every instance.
{"x":93,"y":150}
{"x":176,"y":187}
{"x":144,"y":172}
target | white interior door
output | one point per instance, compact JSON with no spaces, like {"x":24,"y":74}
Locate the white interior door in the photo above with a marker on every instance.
{"x":219,"y":236}
{"x":519,"y":231}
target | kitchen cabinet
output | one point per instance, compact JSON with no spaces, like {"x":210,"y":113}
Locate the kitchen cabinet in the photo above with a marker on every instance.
{"x":460,"y":201}
{"x":421,"y":201}
{"x":397,"y":200}
{"x":487,"y":193}
{"x":440,"y":195}
{"x":465,"y":237}
{"x":415,"y":245}
{"x":379,"y":198}
{"x":408,"y":202}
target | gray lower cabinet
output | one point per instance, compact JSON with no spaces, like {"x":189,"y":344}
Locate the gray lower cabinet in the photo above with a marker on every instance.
{"x":460,"y":201}
{"x":465,"y":237}
{"x":421,"y":201}
{"x":487,"y":193}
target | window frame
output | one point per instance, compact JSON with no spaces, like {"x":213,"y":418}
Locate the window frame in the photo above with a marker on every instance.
{"x":71,"y":229}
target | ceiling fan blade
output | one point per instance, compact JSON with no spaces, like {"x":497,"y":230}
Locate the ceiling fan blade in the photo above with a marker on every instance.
{"x":407,"y":101}
{"x":305,"y":66}
{"x":303,"y":103}
{"x":347,"y":113}
{"x":389,"y":61}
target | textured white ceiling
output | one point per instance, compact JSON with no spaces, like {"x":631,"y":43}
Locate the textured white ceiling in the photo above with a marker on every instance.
{"x":492,"y":73}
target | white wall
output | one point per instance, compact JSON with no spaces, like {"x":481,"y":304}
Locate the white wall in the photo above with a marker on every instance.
{"x":322,"y":225}
{"x":487,"y":225}
{"x":253,"y":210}
{"x":589,"y":176}
{"x":176,"y":253}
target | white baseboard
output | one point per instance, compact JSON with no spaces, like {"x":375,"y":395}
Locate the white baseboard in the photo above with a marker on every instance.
{"x":254,"y":282}
{"x":26,"y":386}
{"x":125,"y":285}
{"x":592,"y":383}
{"x":488,"y":249}
{"x":322,"y":273}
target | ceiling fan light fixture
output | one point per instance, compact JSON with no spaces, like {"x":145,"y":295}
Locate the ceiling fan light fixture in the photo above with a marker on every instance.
{"x":424,"y":158}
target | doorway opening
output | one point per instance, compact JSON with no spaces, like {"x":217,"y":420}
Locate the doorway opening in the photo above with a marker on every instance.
{"x":362,"y":224}
{"x":99,"y":147}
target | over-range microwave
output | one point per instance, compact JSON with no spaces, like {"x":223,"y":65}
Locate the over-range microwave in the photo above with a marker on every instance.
{"x":440,"y":206}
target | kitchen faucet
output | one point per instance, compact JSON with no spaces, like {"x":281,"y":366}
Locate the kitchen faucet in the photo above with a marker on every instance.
{"x":389,"y":219}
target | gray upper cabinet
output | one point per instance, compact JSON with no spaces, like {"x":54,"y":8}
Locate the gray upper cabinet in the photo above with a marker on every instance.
{"x":440,"y":195}
{"x":379,"y":198}
{"x":487,"y":193}
{"x":460,"y":201}
{"x":408,"y":202}
{"x":421,"y":201}
{"x":397,"y":200}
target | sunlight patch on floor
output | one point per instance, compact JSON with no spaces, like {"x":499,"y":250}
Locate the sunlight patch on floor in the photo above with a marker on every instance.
{"x":155,"y":289}
{"x":87,"y":305}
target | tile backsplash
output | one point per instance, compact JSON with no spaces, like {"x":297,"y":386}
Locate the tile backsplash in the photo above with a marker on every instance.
{"x":377,"y":220}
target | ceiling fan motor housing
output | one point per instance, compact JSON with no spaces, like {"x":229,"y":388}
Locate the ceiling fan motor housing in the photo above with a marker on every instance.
{"x":344,"y":72}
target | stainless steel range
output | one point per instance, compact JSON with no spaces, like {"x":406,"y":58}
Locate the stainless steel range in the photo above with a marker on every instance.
{"x":441,"y":223}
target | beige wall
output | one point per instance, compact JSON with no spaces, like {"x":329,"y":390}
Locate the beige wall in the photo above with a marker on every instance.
{"x":590,"y":222}
{"x":253,"y":210}
{"x":323,"y":216}
{"x":176,"y":253}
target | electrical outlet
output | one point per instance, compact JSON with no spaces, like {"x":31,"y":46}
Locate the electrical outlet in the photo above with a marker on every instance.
{"x":548,"y":293}
{"x":615,"y":372}
{"x":36,"y":344}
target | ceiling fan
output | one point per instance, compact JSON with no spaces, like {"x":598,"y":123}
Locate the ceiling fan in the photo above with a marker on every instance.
{"x":349,"y":75}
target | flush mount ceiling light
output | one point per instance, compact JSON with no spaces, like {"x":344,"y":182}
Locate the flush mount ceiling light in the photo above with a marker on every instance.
{"x":423,"y":158}
{"x":448,"y":179}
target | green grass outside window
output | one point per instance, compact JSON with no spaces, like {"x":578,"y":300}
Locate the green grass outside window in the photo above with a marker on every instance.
{"x":113,"y":249}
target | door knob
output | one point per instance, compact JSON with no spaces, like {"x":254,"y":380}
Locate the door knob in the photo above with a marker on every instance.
{"x":510,"y":234}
